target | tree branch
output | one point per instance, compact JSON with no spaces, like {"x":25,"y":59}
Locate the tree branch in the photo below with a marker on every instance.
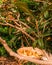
{"x":9,"y":50}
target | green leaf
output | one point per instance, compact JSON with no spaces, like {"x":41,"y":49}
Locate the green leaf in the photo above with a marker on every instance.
{"x":29,"y":30}
{"x":47,"y":34}
{"x":23,"y":6}
{"x":25,"y":0}
{"x":34,"y":44}
{"x":46,"y":14}
{"x":40,"y":42}
{"x":0,"y":2}
{"x":44,"y":25}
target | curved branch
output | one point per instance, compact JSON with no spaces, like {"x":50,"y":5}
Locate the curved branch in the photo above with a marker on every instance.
{"x":9,"y":50}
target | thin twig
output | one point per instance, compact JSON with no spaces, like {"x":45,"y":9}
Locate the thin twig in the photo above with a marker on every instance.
{"x":7,"y":24}
{"x":46,"y":54}
{"x":16,"y":22}
{"x":26,"y":40}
